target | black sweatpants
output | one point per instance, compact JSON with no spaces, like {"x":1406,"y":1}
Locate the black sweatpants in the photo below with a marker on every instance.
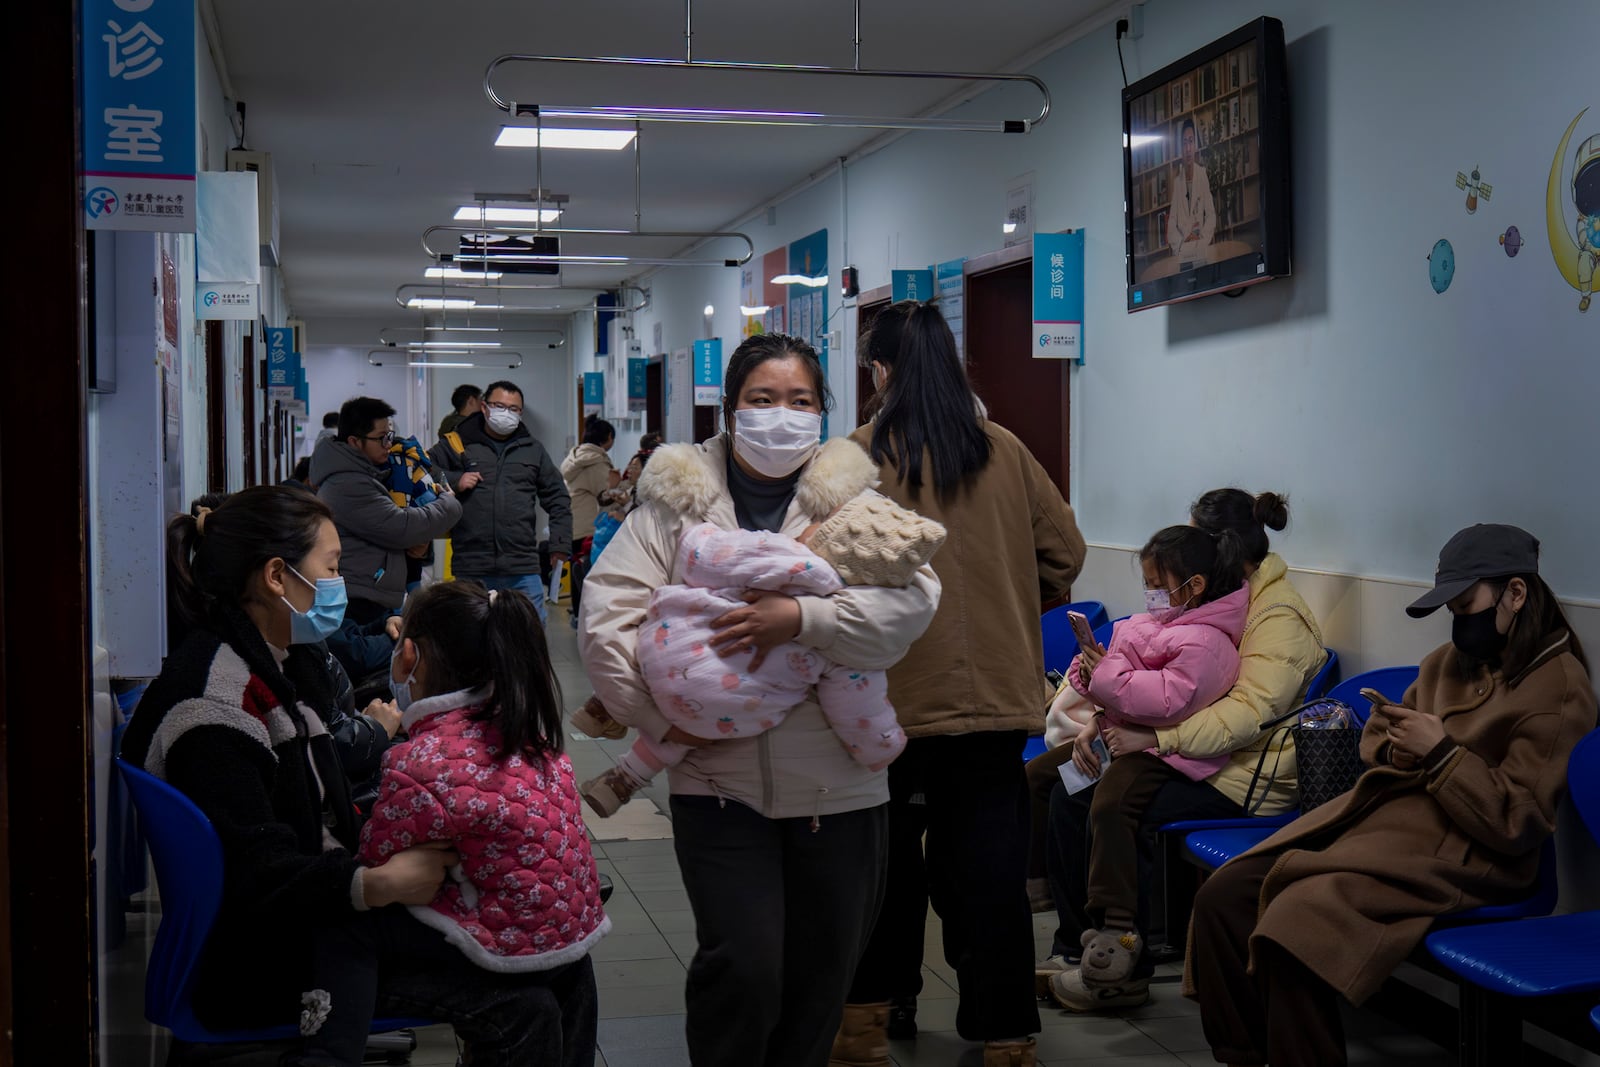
{"x":968,"y":795}
{"x":782,"y":911}
{"x":1283,"y":1014}
{"x":385,"y":962}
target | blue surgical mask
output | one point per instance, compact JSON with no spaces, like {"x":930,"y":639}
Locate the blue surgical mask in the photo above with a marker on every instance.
{"x":327,"y":611}
{"x":401,"y":690}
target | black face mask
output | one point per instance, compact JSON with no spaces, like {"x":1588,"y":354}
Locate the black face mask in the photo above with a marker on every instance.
{"x":1476,"y":636}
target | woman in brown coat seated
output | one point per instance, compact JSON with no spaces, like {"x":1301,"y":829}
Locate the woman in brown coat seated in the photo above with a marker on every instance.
{"x":1466,"y":774}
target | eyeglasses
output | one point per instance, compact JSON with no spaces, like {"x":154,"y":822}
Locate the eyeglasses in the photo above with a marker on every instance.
{"x":386,"y":438}
{"x":515,"y":409}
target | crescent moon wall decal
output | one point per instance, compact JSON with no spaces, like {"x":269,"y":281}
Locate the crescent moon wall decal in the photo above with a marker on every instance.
{"x":1563,"y":246}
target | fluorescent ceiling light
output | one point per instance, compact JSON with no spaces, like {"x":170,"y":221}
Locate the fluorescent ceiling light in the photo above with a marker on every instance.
{"x":436,"y":363}
{"x":529,"y":137}
{"x":1139,"y":140}
{"x":801,"y":279}
{"x":1009,"y":227}
{"x":462,"y":329}
{"x":453,"y":344}
{"x":434,"y":303}
{"x":479,"y":213}
{"x":457,"y":272}
{"x":762,"y":310}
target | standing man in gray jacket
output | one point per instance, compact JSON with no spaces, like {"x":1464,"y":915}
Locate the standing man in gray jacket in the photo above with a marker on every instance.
{"x":497,"y":540}
{"x":374,"y":531}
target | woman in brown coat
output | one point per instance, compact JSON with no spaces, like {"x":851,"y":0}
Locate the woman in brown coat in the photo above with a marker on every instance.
{"x":1466,"y":775}
{"x":968,"y":693}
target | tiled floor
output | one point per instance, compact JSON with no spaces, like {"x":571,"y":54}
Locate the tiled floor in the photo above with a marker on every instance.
{"x":640,"y":970}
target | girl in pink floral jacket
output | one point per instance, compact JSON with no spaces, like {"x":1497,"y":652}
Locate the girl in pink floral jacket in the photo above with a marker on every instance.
{"x":484,"y":772}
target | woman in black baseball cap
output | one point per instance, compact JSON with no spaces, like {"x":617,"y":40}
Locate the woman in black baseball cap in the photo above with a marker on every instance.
{"x":1466,"y":773}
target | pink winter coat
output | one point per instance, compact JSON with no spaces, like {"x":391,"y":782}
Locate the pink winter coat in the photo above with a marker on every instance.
{"x":1156,"y":674}
{"x":526,"y":895}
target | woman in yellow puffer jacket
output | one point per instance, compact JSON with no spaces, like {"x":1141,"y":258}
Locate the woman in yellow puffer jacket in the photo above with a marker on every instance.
{"x":1279,"y":654}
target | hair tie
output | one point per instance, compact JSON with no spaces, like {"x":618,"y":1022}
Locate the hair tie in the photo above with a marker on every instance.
{"x":200,"y":519}
{"x":492,"y":594}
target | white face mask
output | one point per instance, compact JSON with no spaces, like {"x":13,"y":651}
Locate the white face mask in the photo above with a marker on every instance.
{"x":501,"y":421}
{"x":776,"y":441}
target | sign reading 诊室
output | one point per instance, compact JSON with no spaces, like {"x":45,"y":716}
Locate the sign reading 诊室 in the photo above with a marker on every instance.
{"x":138,"y":65}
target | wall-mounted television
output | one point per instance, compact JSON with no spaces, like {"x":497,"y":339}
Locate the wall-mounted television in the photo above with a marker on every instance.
{"x":1205,"y":167}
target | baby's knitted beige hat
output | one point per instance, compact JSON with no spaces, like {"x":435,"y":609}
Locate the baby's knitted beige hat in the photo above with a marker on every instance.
{"x":871,"y":540}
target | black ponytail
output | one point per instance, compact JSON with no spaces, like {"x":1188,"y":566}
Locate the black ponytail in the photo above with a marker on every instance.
{"x":597,"y":431}
{"x":1182,"y":552}
{"x":928,"y":404}
{"x":1249,"y":517}
{"x":470,"y":638}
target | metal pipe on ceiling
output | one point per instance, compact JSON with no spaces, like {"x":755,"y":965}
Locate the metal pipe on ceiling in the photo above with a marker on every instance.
{"x":443,"y":359}
{"x":741,"y":116}
{"x":422,"y":343}
{"x":459,"y":291}
{"x":564,"y":257}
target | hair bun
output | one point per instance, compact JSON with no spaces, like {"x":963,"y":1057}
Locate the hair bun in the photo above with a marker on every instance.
{"x":1272,"y":510}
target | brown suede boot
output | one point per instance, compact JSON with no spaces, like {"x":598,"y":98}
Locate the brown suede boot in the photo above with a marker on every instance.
{"x":1009,"y":1053}
{"x":863,"y":1037}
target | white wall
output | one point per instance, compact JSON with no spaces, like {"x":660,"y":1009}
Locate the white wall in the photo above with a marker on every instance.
{"x":337,"y":373}
{"x":1391,"y":415}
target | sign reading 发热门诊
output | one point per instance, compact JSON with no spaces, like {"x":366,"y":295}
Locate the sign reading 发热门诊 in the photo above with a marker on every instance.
{"x":911,"y":285}
{"x":138,"y":65}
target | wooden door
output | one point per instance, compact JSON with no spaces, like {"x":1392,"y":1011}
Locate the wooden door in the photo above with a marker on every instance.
{"x":1030,"y":397}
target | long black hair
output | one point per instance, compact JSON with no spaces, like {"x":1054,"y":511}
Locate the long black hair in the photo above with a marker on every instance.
{"x":211,"y":554}
{"x":471,"y":637}
{"x":1540,"y":619}
{"x":1248,"y":516}
{"x":763,"y":348}
{"x":928,"y":404}
{"x":1181,"y":552}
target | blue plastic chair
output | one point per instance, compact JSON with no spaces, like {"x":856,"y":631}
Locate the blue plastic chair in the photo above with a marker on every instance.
{"x":1214,"y":842}
{"x":1501,"y":962}
{"x":1325,"y":678}
{"x":1594,"y":1017}
{"x":1060,"y":643}
{"x":1392,"y":682}
{"x":1035,"y":746}
{"x":188,"y":862}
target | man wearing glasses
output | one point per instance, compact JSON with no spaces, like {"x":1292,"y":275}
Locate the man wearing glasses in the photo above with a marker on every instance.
{"x":374,"y":532}
{"x":503,"y":474}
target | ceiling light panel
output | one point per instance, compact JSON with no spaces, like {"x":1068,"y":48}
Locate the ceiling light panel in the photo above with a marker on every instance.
{"x":479,"y":213}
{"x":530,"y":137}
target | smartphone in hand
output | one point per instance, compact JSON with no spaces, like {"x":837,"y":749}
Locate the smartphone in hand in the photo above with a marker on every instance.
{"x":1082,"y":630}
{"x":1377,"y":698}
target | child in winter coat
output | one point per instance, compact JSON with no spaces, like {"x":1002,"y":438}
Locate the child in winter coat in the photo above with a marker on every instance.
{"x":484,"y":772}
{"x":868,"y":541}
{"x":1178,"y":657}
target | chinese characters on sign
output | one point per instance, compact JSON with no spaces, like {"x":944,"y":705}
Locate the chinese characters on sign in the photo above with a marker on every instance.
{"x":708,"y":372}
{"x":1058,"y":295}
{"x":138,"y":65}
{"x":911,"y":285}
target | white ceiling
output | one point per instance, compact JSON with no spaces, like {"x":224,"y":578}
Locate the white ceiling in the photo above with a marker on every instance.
{"x":376,"y":119}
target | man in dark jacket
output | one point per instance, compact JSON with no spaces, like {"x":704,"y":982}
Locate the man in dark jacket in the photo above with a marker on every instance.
{"x":503,"y":474}
{"x":467,"y":401}
{"x":374,"y":531}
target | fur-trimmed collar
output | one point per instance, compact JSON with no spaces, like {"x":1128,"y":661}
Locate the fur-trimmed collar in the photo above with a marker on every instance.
{"x":690,"y":479}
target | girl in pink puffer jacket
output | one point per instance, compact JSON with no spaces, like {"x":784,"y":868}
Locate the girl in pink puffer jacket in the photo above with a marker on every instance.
{"x":484,"y":772}
{"x":1179,"y":657}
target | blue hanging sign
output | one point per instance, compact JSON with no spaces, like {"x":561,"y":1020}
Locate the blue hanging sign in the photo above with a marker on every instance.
{"x":638,"y":387}
{"x":708,"y":372}
{"x":911,"y":285}
{"x":1058,"y":295}
{"x":594,"y":391}
{"x":138,"y":69}
{"x":279,"y":340}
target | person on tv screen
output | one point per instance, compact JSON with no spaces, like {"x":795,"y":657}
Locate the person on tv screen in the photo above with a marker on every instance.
{"x":1192,"y":220}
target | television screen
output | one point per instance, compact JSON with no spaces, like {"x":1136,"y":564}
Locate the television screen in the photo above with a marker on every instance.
{"x":1206,"y":170}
